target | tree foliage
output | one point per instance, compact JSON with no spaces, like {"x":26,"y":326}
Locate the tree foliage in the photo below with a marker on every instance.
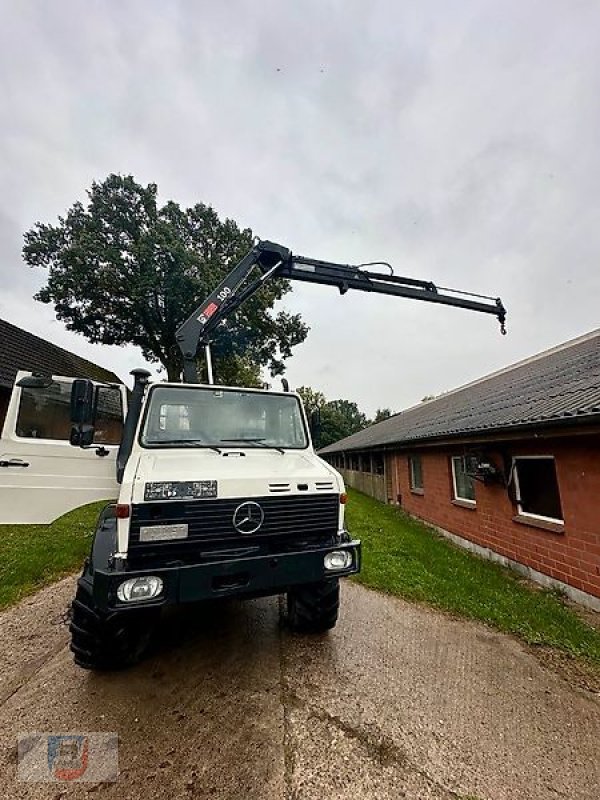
{"x":339,"y":418}
{"x":381,"y":414}
{"x":312,"y":399}
{"x":124,"y":270}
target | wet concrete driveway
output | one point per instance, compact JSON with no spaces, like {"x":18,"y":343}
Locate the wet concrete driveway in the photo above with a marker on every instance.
{"x":398,"y":702}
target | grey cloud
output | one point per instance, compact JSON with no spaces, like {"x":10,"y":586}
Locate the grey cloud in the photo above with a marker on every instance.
{"x":458,"y":141}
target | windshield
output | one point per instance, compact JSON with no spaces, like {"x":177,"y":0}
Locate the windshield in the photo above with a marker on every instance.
{"x":214,"y":417}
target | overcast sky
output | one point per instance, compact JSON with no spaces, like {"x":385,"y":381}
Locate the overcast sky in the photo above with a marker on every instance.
{"x":458,"y":140}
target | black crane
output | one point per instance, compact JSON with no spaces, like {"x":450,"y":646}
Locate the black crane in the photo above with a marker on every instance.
{"x":267,"y":260}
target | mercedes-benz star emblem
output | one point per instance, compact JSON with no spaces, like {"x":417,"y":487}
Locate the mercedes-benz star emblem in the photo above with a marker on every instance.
{"x":248,"y":517}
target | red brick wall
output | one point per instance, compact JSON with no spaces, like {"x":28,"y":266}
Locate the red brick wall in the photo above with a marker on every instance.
{"x":572,"y":556}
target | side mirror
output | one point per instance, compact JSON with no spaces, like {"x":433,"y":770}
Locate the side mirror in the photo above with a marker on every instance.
{"x":315,"y":425}
{"x":83,"y":412}
{"x":82,"y":402}
{"x":82,"y":435}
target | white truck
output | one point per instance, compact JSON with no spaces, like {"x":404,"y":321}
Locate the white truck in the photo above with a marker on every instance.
{"x":222,"y":494}
{"x":221,"y":491}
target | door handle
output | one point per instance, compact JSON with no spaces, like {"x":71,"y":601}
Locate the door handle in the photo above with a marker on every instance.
{"x":14,"y":462}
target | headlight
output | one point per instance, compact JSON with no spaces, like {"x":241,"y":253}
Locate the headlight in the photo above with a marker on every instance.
{"x":338,"y":559}
{"x":144,"y":588}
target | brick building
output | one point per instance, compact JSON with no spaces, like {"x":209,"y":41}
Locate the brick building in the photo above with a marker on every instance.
{"x":508,"y":466}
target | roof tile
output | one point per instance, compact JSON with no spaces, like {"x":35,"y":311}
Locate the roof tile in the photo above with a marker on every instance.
{"x":20,"y":349}
{"x":555,"y":385}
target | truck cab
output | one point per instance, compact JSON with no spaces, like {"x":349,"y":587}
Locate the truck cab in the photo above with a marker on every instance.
{"x":222,"y":494}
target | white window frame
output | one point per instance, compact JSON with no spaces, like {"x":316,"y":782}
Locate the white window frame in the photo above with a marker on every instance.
{"x":472,"y":502}
{"x":515,"y":474}
{"x":411,"y":475}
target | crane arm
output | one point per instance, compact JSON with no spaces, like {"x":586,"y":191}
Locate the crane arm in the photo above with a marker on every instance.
{"x":268,"y":260}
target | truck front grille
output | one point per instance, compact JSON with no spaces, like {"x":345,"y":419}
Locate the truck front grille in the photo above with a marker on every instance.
{"x":297,"y":518}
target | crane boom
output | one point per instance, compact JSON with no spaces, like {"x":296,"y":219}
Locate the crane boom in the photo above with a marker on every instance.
{"x":268,"y":260}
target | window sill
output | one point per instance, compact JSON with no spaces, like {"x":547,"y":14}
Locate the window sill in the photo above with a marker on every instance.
{"x":417,"y":491}
{"x":532,"y":522}
{"x":470,"y":504}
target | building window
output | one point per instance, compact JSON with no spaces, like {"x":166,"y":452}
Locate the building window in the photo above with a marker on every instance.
{"x":463,"y":484}
{"x":378,"y":464}
{"x":536,"y":487}
{"x":415,"y":470}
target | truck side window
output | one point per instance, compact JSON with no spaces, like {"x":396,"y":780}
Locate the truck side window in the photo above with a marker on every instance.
{"x":45,"y":413}
{"x":109,"y":416}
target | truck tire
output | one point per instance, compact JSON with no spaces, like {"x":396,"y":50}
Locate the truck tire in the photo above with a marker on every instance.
{"x":107,"y":641}
{"x":314,"y":608}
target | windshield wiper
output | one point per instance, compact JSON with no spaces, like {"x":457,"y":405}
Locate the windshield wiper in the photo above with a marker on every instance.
{"x":259,"y":442}
{"x":187,"y":443}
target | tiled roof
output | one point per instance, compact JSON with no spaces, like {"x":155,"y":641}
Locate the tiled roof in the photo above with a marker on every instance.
{"x":555,"y":386}
{"x":22,"y":350}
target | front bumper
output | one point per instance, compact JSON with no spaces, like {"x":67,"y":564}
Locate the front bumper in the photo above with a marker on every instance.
{"x":247,"y":577}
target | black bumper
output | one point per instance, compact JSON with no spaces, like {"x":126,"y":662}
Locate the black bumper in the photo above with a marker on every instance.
{"x":248,"y":577}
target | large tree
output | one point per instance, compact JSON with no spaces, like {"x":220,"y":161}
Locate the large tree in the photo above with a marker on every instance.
{"x":124,"y":270}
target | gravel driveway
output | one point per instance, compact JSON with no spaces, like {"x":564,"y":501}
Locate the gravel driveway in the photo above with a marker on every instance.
{"x":398,"y":702}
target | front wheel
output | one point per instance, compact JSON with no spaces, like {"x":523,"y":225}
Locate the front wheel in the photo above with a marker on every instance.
{"x":314,"y":608}
{"x":107,"y":641}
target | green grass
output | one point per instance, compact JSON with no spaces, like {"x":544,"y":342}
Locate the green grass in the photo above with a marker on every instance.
{"x":404,"y":557}
{"x":401,"y":556}
{"x":32,"y":556}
